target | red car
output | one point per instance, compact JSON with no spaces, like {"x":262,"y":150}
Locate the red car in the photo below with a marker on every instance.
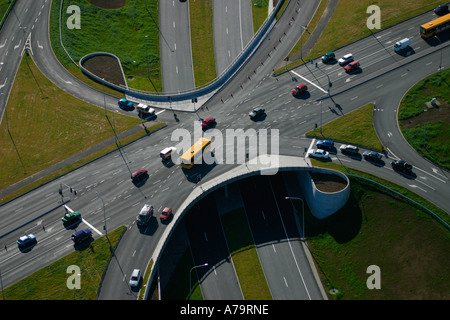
{"x":351,"y":66}
{"x":139,"y":174}
{"x":299,"y":89}
{"x":208,"y":123}
{"x":166,"y":214}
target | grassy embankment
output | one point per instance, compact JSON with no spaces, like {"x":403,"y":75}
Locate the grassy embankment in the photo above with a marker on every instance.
{"x":47,"y":125}
{"x":118,"y":31}
{"x":428,"y":131}
{"x":349,"y":23}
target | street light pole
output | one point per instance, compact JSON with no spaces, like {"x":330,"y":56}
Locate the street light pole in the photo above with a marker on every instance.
{"x":104,"y":214}
{"x":190,"y":271}
{"x":425,"y":132}
{"x":303,"y":214}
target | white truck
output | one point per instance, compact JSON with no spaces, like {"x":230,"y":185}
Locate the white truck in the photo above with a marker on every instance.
{"x":402,"y":45}
{"x":144,"y":216}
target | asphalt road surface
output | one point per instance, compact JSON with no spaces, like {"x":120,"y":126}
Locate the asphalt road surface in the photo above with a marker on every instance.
{"x":382,"y":78}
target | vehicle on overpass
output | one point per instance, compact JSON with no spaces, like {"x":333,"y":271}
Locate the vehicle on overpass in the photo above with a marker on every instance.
{"x":71,"y":218}
{"x":346,"y":59}
{"x":431,"y":28}
{"x":166,"y":153}
{"x":328,"y":57}
{"x":81,"y":236}
{"x":318,"y":153}
{"x":352,"y":66}
{"x":166,"y":214}
{"x":402,"y":45}
{"x":348,"y":148}
{"x":139,"y":175}
{"x":208,"y":123}
{"x":195,"y":153}
{"x":28,"y":241}
{"x":145,"y":215}
{"x":372,"y":156}
{"x":325,"y":144}
{"x":125,"y":104}
{"x":135,"y":278}
{"x":255,"y":113}
{"x":401,"y":165}
{"x":299,"y":89}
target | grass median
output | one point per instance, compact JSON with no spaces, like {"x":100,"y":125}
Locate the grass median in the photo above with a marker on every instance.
{"x":54,"y":281}
{"x":426,"y":126}
{"x":43,"y":125}
{"x":349,"y":23}
{"x":355,"y":128}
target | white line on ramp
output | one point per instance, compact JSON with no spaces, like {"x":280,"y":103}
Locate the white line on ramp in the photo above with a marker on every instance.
{"x":315,"y":85}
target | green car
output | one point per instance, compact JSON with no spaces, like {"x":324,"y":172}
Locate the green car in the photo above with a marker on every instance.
{"x":71,"y":217}
{"x":328,"y":57}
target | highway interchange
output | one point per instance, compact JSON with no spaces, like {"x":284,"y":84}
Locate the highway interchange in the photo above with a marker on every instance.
{"x":384,"y":79}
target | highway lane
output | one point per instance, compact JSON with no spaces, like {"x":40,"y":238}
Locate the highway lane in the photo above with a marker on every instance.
{"x":13,"y":37}
{"x":233,"y":29}
{"x":208,"y":245}
{"x":294,"y":129}
{"x":175,"y":45}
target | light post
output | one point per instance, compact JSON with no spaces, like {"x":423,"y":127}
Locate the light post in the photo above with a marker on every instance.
{"x":303,"y":214}
{"x":440,"y":62}
{"x":190,"y":271}
{"x":425,"y":131}
{"x":104,"y":215}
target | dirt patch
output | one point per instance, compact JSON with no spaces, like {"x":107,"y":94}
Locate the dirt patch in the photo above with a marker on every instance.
{"x":105,"y":67}
{"x":435,"y":114}
{"x":108,"y":4}
{"x":328,"y":182}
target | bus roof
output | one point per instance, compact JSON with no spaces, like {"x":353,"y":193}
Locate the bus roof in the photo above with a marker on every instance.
{"x":196,"y":147}
{"x":436,"y":22}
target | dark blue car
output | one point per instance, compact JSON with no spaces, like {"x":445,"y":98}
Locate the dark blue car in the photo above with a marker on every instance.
{"x":325,"y":144}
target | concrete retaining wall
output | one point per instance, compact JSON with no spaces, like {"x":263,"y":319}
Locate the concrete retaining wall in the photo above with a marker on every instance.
{"x":323,"y":204}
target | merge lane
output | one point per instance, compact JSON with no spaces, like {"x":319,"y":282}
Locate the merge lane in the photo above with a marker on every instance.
{"x":208,"y":245}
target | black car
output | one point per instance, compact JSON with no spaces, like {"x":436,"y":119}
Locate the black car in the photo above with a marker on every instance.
{"x":256,"y":113}
{"x":441,"y":10}
{"x":401,"y":165}
{"x":372,"y":155}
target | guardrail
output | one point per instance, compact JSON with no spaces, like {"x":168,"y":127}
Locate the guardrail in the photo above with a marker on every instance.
{"x":5,"y":16}
{"x":225,"y":76}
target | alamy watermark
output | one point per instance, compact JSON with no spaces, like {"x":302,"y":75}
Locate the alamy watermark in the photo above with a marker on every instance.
{"x":374,"y":280}
{"x":234,"y":146}
{"x":74,"y":21}
{"x":74,"y":280}
{"x":374,"y":21}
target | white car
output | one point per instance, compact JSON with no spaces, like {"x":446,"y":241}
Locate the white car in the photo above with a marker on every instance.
{"x":135,"y":278}
{"x":345,"y":59}
{"x":145,"y":109}
{"x":318,"y":153}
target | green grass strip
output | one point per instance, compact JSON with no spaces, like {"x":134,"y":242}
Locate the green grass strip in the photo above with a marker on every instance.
{"x":245,"y":258}
{"x":355,"y":127}
{"x":50,"y":283}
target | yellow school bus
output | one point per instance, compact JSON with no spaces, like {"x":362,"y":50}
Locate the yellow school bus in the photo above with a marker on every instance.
{"x":435,"y":26}
{"x":195,"y":153}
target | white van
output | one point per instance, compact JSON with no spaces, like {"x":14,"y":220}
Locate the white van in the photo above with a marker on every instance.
{"x":166,"y":154}
{"x":402,"y":45}
{"x":144,"y":216}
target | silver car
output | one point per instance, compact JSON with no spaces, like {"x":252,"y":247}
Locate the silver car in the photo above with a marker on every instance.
{"x":135,"y":278}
